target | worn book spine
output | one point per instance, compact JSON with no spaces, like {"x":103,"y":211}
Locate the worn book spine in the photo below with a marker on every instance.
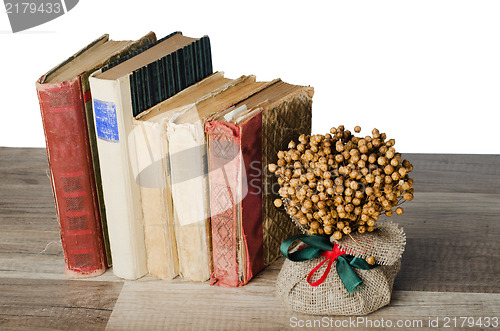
{"x":224,"y":181}
{"x":188,"y":180}
{"x":251,"y":204}
{"x":143,"y":42}
{"x":285,"y":121}
{"x":70,"y":163}
{"x":235,"y":154}
{"x":113,"y":124}
{"x":151,"y":150}
{"x":95,"y":169}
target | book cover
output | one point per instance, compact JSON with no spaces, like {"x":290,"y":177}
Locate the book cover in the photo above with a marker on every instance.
{"x":189,"y":178}
{"x":153,"y":173}
{"x":244,"y":236}
{"x":286,"y":122}
{"x":235,"y":200}
{"x":62,"y":96}
{"x":120,"y":92}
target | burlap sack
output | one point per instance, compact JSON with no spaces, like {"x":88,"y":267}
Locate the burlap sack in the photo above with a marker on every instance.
{"x":386,"y":244}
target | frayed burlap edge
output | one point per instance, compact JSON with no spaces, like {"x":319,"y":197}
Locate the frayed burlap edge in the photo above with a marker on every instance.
{"x":331,"y":297}
{"x":386,"y":244}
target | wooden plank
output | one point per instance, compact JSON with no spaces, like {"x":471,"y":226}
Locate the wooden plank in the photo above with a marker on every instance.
{"x":452,"y":230}
{"x":440,"y":246}
{"x":449,"y":265}
{"x":47,"y":272}
{"x":30,"y":242}
{"x":189,"y":306}
{"x":35,"y":264}
{"x":25,"y":192}
{"x":455,"y":173}
{"x":472,"y":217}
{"x":452,"y":239}
{"x":56,"y":305}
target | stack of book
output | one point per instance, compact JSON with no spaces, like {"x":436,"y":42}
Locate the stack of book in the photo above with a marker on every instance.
{"x":158,"y":164}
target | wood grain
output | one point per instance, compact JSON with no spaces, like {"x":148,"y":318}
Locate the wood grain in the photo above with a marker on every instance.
{"x":165,"y":305}
{"x":459,"y":173}
{"x":56,"y":305}
{"x":453,"y":234}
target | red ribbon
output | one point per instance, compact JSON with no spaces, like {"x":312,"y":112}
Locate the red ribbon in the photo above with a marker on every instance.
{"x":330,"y":257}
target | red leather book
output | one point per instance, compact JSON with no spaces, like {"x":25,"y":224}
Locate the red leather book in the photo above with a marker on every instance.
{"x":62,"y":104}
{"x":241,"y":141}
{"x":236,"y":207}
{"x":71,"y":173}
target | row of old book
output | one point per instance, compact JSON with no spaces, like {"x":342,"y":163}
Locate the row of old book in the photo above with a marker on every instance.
{"x":158,"y":164}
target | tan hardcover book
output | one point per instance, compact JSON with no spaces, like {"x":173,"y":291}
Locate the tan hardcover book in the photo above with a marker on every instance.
{"x":284,"y":120}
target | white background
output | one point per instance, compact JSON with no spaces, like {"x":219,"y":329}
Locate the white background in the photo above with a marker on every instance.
{"x":425,"y":72}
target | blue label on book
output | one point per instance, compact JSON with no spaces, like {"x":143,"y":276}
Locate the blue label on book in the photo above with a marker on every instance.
{"x":105,"y":120}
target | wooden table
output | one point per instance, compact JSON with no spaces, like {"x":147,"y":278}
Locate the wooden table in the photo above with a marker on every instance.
{"x":450,"y":267}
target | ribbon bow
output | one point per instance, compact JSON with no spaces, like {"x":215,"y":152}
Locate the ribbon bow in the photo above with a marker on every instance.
{"x":320,"y":246}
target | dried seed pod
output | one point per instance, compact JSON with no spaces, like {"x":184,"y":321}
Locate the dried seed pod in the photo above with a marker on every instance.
{"x":395,"y":176}
{"x":303,"y":221}
{"x":406,"y":186}
{"x":370,"y":260}
{"x":292,"y":211}
{"x":407,"y":196}
{"x":314,"y":225}
{"x":341,"y":181}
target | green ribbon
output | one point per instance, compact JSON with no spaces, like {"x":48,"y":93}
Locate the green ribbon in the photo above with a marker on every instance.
{"x":321,"y":246}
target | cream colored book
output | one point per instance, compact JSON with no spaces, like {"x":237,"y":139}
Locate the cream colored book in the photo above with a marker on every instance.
{"x":153,"y":175}
{"x":114,"y":104}
{"x":159,"y":235}
{"x":120,"y":190}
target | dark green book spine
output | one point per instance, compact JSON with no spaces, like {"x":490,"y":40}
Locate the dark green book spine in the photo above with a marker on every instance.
{"x":162,"y":87}
{"x":170,"y":75}
{"x":189,"y":65}
{"x":140,"y":90}
{"x":137,"y":83}
{"x":164,"y":60}
{"x":198,"y":61}
{"x":208,"y":56}
{"x":133,"y":94}
{"x":153,"y":85}
{"x":145,"y":78}
{"x":180,"y":80}
{"x":204,"y":60}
